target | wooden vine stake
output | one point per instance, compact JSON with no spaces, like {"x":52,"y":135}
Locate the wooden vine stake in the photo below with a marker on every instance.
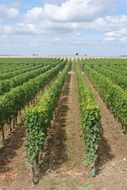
{"x":15,"y":119}
{"x":33,"y":171}
{"x":19,"y":116}
{"x":9,"y":123}
{"x":2,"y":130}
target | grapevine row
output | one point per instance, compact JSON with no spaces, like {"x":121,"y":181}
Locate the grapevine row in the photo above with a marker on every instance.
{"x":90,"y":119}
{"x":113,"y":95}
{"x":6,"y":85}
{"x":15,"y":100}
{"x":9,"y":75}
{"x":114,"y":77}
{"x":37,"y":120}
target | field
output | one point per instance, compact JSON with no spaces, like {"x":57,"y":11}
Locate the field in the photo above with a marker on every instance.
{"x":63,"y":123}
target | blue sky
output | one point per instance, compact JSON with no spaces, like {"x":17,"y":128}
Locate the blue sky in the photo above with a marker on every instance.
{"x":52,"y":27}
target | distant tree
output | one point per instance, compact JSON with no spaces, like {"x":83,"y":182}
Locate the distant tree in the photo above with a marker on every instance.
{"x":34,"y":54}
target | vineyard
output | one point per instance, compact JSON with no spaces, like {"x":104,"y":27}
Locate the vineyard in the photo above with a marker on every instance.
{"x":63,"y":123}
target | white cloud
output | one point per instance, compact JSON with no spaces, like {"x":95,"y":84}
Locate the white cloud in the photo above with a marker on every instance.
{"x":114,"y":27}
{"x":8,"y":12}
{"x":64,"y":18}
{"x":77,"y":10}
{"x":8,"y":29}
{"x":111,"y":22}
{"x":38,"y":21}
{"x":69,"y":24}
{"x":34,"y":15}
{"x":20,"y":28}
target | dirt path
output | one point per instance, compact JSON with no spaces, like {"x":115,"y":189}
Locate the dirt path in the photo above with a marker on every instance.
{"x":113,"y":150}
{"x":63,"y":162}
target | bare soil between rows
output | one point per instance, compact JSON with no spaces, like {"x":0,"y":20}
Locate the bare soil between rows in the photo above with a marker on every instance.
{"x":112,"y":163}
{"x":64,"y":150}
{"x":64,"y":163}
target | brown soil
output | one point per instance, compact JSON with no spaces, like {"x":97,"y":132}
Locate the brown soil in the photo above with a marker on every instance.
{"x":64,"y":165}
{"x":113,"y":150}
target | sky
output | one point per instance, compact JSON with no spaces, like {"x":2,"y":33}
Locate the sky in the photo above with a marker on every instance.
{"x":63,"y":27}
